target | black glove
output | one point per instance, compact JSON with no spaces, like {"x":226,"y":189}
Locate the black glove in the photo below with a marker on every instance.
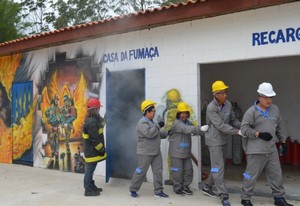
{"x":101,"y":151}
{"x":284,"y":149}
{"x":169,"y":132}
{"x":265,"y":136}
{"x":161,"y":124}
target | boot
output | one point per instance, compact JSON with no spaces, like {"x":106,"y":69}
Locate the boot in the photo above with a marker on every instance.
{"x":280,"y":201}
{"x":246,"y":203}
{"x":91,"y":193}
{"x":96,"y":188}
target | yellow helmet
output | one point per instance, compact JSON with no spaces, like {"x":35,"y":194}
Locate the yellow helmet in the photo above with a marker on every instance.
{"x":145,"y":104}
{"x":183,"y":107}
{"x":173,"y":95}
{"x":218,"y":86}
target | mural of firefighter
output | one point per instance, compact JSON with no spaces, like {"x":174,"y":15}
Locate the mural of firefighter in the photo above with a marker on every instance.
{"x":65,"y":92}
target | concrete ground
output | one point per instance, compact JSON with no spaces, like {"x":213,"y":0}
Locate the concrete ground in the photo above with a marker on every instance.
{"x":24,"y":185}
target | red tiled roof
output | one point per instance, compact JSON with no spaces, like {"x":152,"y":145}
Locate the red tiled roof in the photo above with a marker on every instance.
{"x":181,"y":12}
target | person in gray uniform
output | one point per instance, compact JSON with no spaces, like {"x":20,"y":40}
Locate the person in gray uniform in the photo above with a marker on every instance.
{"x":222,"y":124}
{"x":180,"y":149}
{"x":149,"y":135}
{"x":261,"y":125}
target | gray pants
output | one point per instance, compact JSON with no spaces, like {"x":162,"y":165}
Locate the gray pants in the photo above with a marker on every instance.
{"x":182,"y":172}
{"x":216,"y":175}
{"x":256,"y":163}
{"x":144,"y":161}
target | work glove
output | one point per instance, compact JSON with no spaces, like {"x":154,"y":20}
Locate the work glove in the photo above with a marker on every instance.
{"x":284,"y":149}
{"x":101,"y":151}
{"x":265,"y":136}
{"x":204,"y":128}
{"x":161,"y":124}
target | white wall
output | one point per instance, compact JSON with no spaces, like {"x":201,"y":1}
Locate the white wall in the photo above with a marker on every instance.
{"x":183,"y":46}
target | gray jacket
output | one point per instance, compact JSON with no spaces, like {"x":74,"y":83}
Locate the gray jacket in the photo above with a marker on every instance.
{"x":257,"y":120}
{"x":180,"y":139}
{"x":222,"y":123}
{"x":149,"y":136}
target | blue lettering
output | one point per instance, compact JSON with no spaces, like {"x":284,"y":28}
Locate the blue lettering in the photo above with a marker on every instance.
{"x":124,"y":56}
{"x":298,"y":34}
{"x":271,"y":39}
{"x":255,"y":39}
{"x":156,"y":54}
{"x":280,"y":36}
{"x":290,"y":33}
{"x":131,"y":53}
{"x":264,"y":37}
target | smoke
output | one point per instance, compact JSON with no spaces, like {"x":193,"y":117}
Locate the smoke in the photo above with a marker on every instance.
{"x":125,"y":94}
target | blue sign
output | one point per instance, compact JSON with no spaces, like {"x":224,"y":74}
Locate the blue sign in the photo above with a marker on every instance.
{"x":276,"y":36}
{"x":132,"y":54}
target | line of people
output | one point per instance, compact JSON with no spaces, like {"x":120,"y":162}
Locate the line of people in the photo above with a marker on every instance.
{"x":260,"y":127}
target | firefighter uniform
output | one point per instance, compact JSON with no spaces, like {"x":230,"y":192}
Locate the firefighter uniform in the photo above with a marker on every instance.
{"x":94,"y":148}
{"x":180,"y":153}
{"x":222,"y":124}
{"x":148,"y":150}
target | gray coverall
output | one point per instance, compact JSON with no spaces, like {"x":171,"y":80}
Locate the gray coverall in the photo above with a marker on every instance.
{"x":222,"y":123}
{"x":262,"y":154}
{"x":180,"y":152}
{"x":148,"y":150}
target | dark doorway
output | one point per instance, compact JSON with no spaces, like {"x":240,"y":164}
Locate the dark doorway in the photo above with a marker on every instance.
{"x":125,"y":90}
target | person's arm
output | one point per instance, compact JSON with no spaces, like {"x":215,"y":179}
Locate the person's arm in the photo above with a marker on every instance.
{"x":217,"y":121}
{"x":247,"y":125}
{"x":93,"y":132}
{"x":149,"y":130}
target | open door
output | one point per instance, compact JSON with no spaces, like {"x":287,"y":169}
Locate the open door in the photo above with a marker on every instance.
{"x":125,"y":90}
{"x":21,"y":103}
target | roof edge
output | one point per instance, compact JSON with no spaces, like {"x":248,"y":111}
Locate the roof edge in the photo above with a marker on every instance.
{"x":191,"y":10}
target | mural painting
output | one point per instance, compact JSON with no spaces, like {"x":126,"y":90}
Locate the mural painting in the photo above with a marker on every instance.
{"x":65,"y":93}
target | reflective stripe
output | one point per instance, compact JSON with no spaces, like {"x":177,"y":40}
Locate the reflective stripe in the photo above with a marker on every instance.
{"x":175,"y":169}
{"x":214,"y":170}
{"x":100,"y":131}
{"x":247,"y":176}
{"x":99,"y":146}
{"x":85,"y":136}
{"x":94,"y":159}
{"x":183,"y":144}
{"x":138,"y":170}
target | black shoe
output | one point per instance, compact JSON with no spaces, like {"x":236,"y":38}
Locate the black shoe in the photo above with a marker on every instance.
{"x":280,"y":201}
{"x":187,"y":191}
{"x":179,"y":192}
{"x":96,"y":188}
{"x":92,"y":193}
{"x":208,"y":191}
{"x":246,"y":203}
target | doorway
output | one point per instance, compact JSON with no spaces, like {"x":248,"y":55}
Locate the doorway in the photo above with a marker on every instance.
{"x":125,"y":90}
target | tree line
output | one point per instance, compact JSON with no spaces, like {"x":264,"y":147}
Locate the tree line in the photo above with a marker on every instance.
{"x":20,"y":18}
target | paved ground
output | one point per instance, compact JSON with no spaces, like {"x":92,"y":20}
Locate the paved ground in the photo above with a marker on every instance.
{"x":23,"y":185}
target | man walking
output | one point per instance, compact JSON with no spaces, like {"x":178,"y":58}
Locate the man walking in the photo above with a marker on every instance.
{"x":222,"y":124}
{"x":261,"y":124}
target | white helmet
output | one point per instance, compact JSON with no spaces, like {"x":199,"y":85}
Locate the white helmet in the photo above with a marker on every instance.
{"x":266,"y":89}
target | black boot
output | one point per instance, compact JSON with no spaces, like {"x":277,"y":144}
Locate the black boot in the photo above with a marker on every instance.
{"x":280,"y":201}
{"x":96,"y":188}
{"x":91,"y":193}
{"x":246,"y":203}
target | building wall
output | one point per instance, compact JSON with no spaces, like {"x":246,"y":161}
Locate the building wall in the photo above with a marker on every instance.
{"x":175,"y":54}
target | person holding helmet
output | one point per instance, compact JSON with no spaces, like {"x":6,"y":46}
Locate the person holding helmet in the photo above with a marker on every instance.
{"x":180,"y":149}
{"x":94,"y":147}
{"x":222,"y":124}
{"x":260,"y":125}
{"x":149,"y":135}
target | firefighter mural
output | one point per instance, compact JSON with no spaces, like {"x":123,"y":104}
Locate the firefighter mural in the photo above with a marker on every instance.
{"x":167,"y":113}
{"x":63,"y":106}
